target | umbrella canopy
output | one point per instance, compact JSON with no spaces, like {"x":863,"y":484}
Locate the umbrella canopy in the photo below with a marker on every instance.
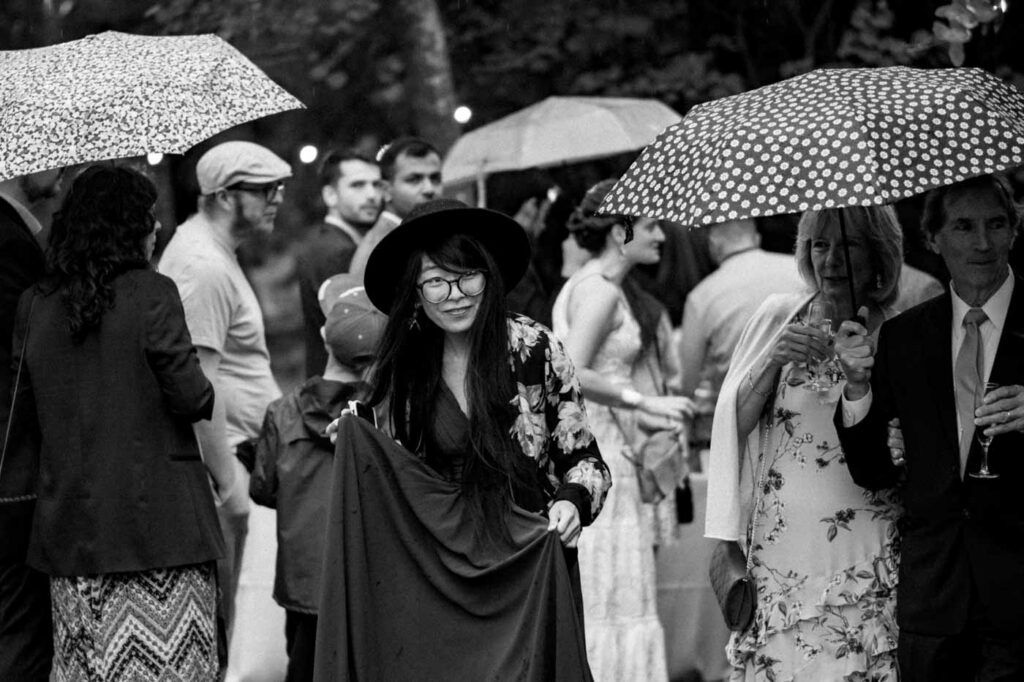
{"x":116,"y":95}
{"x":827,"y":139}
{"x":557,"y":130}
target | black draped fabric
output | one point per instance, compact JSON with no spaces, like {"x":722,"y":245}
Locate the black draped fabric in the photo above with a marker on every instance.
{"x":408,"y":595}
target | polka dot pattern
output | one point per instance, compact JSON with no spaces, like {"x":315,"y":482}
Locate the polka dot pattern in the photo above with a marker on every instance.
{"x":825,"y":139}
{"x":116,"y":95}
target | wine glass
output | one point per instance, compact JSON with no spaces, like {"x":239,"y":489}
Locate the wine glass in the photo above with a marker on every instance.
{"x":985,"y":440}
{"x":819,"y":316}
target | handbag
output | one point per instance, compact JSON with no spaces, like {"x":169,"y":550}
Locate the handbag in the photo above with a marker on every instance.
{"x":684,"y":501}
{"x":733,"y":585}
{"x":729,"y":570}
{"x":656,"y":461}
{"x":657,"y":457}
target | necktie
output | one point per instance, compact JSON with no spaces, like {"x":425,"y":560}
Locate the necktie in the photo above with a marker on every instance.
{"x":967,"y":379}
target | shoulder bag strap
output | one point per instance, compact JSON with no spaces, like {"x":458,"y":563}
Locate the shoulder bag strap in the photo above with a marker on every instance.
{"x":14,"y":399}
{"x":765,"y":424}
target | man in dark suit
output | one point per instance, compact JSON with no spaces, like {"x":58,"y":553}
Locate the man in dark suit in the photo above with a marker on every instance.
{"x":26,"y":638}
{"x":353,"y":191}
{"x":961,"y":588}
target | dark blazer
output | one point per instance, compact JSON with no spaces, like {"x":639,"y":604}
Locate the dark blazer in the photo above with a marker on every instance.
{"x":122,"y":486}
{"x":957,"y":535}
{"x":328,"y":252}
{"x":21,"y":266}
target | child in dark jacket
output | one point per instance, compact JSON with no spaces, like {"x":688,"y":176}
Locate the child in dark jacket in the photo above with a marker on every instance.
{"x":293,"y":459}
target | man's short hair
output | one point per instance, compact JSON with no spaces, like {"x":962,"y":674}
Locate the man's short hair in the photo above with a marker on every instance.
{"x":330,"y":169}
{"x":415,"y":147}
{"x":933,"y":217}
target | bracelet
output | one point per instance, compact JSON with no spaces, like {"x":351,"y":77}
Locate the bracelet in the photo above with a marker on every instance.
{"x":750,"y":380}
{"x":631,"y":397}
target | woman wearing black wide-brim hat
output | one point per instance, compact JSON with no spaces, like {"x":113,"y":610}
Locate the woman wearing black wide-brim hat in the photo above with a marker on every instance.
{"x":453,"y":361}
{"x":490,"y":404}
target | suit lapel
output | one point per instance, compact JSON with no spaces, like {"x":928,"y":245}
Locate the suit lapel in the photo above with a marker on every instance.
{"x":1008,"y":366}
{"x":938,"y":364}
{"x":15,"y":216}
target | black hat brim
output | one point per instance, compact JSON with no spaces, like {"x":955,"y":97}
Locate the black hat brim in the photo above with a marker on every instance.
{"x":502,"y":236}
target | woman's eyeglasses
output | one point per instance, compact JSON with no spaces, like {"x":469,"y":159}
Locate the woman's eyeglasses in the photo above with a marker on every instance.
{"x":438,"y":289}
{"x":270,"y":192}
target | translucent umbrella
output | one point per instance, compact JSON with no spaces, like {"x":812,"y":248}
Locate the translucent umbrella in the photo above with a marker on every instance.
{"x":554,"y":131}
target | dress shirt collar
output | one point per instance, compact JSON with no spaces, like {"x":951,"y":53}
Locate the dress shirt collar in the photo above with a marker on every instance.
{"x":344,"y":227}
{"x":996,"y":307}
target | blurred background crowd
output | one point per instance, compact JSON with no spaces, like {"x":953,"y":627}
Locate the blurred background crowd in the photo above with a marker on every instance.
{"x":389,"y":89}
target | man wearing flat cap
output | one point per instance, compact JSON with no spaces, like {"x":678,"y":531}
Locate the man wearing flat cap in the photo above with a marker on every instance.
{"x":241,"y":185}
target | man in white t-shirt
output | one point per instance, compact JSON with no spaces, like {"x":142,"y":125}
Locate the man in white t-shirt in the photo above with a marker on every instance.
{"x":241,"y":185}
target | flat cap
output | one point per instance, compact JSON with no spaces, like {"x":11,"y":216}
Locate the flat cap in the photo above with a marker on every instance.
{"x":237,"y":161}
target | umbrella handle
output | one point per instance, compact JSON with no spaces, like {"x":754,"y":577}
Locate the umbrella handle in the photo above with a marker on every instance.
{"x":849,"y":266}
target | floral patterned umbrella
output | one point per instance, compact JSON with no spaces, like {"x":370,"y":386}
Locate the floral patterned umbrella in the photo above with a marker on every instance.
{"x":827,"y":139}
{"x":117,"y":95}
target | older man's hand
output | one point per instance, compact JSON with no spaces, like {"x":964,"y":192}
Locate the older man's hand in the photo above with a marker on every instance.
{"x":1002,"y":411}
{"x":856,"y":353}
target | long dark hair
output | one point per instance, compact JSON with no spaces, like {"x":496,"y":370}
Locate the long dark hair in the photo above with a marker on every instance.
{"x":408,"y":376}
{"x":646,"y":308}
{"x":98,"y":233}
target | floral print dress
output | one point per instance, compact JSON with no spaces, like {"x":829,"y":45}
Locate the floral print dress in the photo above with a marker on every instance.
{"x":825,"y":552}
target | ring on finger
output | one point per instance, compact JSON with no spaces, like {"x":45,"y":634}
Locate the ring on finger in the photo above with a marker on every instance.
{"x":1006,"y":417}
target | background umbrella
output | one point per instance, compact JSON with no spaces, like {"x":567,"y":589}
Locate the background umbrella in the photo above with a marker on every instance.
{"x":116,"y":95}
{"x":827,"y":139}
{"x":554,"y":131}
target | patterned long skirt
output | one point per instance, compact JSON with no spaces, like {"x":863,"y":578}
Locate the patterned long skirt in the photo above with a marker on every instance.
{"x":157,"y":624}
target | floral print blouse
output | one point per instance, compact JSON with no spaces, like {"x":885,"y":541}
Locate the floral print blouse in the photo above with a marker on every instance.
{"x":551,"y":425}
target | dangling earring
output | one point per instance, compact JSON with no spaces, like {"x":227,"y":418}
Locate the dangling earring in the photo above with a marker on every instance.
{"x":878,"y":281}
{"x":414,"y":321}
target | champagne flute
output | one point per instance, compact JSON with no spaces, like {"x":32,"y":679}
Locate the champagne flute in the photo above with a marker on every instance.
{"x":985,"y":440}
{"x":819,"y":316}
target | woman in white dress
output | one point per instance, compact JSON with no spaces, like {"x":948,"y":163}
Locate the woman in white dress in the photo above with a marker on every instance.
{"x":610,"y":329}
{"x":825,"y":551}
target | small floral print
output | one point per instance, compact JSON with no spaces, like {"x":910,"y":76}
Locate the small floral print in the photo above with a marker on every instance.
{"x":842,"y":621}
{"x":523,"y":337}
{"x":551,"y":425}
{"x":572,"y":432}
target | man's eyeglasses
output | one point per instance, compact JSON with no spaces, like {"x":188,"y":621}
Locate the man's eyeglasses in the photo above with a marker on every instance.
{"x":270,"y":191}
{"x":438,"y":289}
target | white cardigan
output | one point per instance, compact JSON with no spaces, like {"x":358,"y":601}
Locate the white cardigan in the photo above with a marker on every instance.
{"x":733,"y":458}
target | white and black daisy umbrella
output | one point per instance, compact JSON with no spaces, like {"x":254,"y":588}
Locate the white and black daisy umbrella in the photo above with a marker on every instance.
{"x":117,"y":95}
{"x":826,"y":139}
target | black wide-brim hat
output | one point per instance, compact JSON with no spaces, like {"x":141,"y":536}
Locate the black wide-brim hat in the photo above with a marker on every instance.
{"x":430,"y":223}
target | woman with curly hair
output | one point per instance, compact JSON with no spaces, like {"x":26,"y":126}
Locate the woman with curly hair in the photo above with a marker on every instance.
{"x":617,"y":335}
{"x":108,"y":388}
